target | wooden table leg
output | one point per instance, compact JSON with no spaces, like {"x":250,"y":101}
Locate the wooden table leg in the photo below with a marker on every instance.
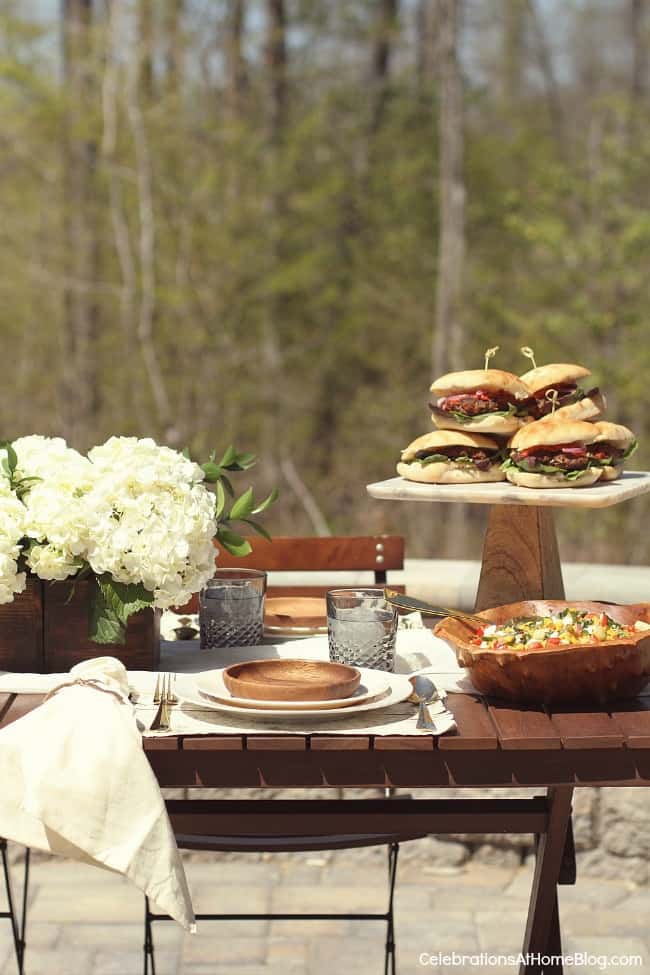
{"x":543,"y":926}
{"x":520,"y":557}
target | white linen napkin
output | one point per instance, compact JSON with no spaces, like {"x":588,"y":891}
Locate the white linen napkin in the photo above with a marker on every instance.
{"x":75,"y":781}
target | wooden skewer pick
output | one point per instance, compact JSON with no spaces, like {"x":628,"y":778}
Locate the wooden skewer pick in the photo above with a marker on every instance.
{"x":489,"y":354}
{"x":528,"y":352}
{"x":553,"y":396}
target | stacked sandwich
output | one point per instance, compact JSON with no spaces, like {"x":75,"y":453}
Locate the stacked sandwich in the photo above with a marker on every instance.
{"x":541,"y":429}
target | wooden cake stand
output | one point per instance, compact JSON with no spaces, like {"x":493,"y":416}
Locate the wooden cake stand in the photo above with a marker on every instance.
{"x":520,"y":554}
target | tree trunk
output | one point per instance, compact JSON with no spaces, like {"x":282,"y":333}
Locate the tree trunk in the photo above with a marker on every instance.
{"x":545,"y":61}
{"x":381,"y":57}
{"x":236,"y":73}
{"x":146,"y":33}
{"x":448,"y":334}
{"x":80,"y":397}
{"x":173,"y":40}
{"x":448,"y":337}
{"x":276,"y":62}
{"x":636,"y":12}
{"x":274,"y":431}
{"x":425,"y":20}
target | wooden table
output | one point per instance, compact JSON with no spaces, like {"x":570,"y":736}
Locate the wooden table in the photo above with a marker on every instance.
{"x":496,"y":745}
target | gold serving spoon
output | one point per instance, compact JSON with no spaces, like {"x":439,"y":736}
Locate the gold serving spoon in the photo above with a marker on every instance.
{"x":401,"y":601}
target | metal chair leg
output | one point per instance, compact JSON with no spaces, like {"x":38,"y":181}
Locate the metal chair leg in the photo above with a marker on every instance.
{"x":17,"y":930}
{"x":148,"y":941}
{"x":389,"y":957}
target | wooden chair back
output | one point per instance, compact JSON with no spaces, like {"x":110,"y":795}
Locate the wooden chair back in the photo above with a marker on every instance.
{"x":376,"y":554}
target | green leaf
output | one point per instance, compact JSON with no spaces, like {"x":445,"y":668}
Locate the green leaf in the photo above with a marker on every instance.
{"x":228,"y":486}
{"x":431,"y":459}
{"x":186,"y":453}
{"x":243,"y":506}
{"x":258,"y":528}
{"x":228,"y":456}
{"x":211,"y":471}
{"x":9,"y":462}
{"x":466,"y":418}
{"x":112,"y":606}
{"x":263,"y":505}
{"x":630,"y":450}
{"x":233,"y":543}
{"x":220,"y":500}
{"x":243,"y":461}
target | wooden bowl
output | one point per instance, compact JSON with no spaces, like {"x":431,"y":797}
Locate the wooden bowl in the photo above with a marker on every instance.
{"x":291,"y":680}
{"x":591,"y":673}
{"x":295,"y":611}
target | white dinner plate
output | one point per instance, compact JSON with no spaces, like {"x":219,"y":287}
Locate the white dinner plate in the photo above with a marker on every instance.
{"x":398,"y":689}
{"x":211,"y":685}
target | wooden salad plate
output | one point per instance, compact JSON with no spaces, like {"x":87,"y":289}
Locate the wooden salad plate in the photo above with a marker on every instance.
{"x":287,"y":612}
{"x":291,"y":680}
{"x":589,"y":673}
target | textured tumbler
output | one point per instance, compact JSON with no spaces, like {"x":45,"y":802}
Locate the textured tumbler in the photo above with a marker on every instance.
{"x":361,"y":627}
{"x":231,"y":608}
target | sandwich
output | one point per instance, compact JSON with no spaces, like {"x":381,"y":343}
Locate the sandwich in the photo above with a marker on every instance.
{"x":478,"y":401}
{"x":452,"y":457}
{"x":553,"y":453}
{"x":613,"y":444}
{"x":573,"y":401}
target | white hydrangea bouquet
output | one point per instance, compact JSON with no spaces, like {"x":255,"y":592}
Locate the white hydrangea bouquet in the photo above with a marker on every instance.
{"x":138,"y":517}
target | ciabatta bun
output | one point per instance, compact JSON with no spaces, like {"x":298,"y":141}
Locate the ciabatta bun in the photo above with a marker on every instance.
{"x":611,"y":472}
{"x":447,"y":438}
{"x":614,"y":433}
{"x":554,"y":373}
{"x":499,"y":426}
{"x":587,"y":408}
{"x":549,"y":432}
{"x":473,"y":379}
{"x":524,"y":479}
{"x":448,"y":473}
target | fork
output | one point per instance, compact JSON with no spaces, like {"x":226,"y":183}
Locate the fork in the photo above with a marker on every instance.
{"x":163,"y":714}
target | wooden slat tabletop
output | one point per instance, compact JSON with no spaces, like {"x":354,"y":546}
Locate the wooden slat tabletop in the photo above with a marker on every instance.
{"x":494,"y":742}
{"x":588,"y":729}
{"x":523,"y":728}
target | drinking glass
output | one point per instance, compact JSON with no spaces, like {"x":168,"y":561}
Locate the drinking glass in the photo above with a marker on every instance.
{"x":361,"y":627}
{"x":231,"y":608}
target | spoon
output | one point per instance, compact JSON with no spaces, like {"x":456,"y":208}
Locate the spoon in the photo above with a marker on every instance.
{"x":424,"y":691}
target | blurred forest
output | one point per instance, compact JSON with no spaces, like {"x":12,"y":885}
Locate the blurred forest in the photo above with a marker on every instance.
{"x":274,"y":221}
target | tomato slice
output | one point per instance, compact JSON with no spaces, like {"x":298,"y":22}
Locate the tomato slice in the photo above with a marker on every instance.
{"x":566,"y":448}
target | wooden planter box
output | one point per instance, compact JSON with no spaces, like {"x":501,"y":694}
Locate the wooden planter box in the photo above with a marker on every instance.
{"x":45,"y":630}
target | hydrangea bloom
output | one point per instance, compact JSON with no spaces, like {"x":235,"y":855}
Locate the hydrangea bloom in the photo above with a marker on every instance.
{"x":56,"y":516}
{"x":12,"y":529}
{"x":150,"y":519}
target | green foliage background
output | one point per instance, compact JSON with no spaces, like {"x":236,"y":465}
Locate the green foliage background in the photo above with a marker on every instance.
{"x":293,"y":282}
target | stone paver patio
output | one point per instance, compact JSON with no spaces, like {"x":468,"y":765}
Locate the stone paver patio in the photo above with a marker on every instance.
{"x":83,"y":921}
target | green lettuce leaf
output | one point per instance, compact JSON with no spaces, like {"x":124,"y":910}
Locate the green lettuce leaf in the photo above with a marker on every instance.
{"x":630,"y":450}
{"x":521,"y":465}
{"x":464,"y":418}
